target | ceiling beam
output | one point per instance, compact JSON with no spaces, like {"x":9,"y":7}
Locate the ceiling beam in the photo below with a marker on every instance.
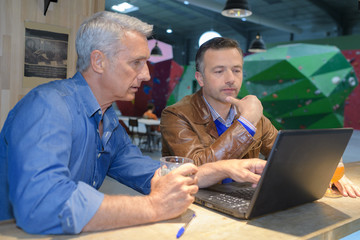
{"x":337,"y":16}
{"x":218,"y":7}
{"x":221,"y":19}
{"x":212,"y":16}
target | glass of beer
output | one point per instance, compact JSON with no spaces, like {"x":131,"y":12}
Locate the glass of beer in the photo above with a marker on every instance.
{"x":338,"y":174}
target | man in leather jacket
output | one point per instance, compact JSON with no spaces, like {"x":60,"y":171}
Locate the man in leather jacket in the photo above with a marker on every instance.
{"x":212,"y":124}
{"x":194,"y":126}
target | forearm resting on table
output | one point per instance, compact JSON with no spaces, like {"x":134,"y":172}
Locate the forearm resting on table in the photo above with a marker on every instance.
{"x":240,"y":170}
{"x":121,"y":211}
{"x":211,"y":173}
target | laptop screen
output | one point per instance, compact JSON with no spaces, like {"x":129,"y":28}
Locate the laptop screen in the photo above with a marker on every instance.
{"x":298,"y":171}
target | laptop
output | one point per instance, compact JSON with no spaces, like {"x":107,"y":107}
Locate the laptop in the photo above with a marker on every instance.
{"x":298,"y":170}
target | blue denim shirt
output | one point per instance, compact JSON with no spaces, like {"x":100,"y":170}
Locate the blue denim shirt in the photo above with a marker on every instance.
{"x":52,"y":159}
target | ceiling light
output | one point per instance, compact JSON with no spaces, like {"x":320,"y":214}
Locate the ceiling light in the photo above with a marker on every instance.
{"x":186,"y":2}
{"x":46,"y":5}
{"x":257,"y":45}
{"x":207,"y":36}
{"x":156,"y":51}
{"x":169,"y":30}
{"x":124,"y":7}
{"x":236,"y":9}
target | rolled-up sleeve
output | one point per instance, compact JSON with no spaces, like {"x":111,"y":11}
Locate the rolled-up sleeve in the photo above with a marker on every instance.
{"x":80,"y":208}
{"x":44,"y":189}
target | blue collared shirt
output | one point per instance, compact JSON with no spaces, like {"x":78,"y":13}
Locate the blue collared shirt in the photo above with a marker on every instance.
{"x":52,"y":159}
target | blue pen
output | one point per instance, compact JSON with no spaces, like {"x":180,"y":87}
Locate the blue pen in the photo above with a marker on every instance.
{"x":182,"y":229}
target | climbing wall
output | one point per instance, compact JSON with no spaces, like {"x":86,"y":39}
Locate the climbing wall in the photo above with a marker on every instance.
{"x":165,"y":74}
{"x":300,"y":85}
{"x":352,"y":103}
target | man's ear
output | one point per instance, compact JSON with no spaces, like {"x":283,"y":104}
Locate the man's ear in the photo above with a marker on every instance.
{"x":199,"y":78}
{"x":97,"y":61}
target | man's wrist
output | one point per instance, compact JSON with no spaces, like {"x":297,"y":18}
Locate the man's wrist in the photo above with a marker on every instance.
{"x":226,"y":167}
{"x":152,"y":210}
{"x":247,"y":125}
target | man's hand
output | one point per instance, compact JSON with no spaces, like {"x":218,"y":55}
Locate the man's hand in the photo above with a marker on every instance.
{"x":169,"y":197}
{"x":347,"y":188}
{"x":245,"y":170}
{"x":172,"y":194}
{"x":240,"y":170}
{"x":249,"y":106}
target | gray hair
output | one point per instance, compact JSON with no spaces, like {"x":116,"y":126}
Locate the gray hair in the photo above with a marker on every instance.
{"x":102,"y":32}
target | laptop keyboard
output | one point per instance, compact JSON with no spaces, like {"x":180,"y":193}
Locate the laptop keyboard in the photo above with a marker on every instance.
{"x":245,"y":193}
{"x":239,"y":199}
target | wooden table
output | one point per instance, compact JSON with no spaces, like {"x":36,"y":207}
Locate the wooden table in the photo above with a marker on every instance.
{"x":324,"y":219}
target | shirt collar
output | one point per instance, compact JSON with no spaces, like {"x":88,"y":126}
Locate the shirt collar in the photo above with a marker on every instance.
{"x":215,"y":115}
{"x":92,"y":108}
{"x":87,"y":98}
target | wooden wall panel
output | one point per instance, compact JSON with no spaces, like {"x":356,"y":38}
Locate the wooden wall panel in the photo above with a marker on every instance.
{"x":13,"y":14}
{"x":5,"y":63}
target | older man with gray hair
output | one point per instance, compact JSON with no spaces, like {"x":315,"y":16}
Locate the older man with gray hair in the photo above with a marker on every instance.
{"x":61,"y":140}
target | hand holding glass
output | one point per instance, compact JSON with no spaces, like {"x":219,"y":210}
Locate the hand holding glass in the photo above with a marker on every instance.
{"x":169,"y":163}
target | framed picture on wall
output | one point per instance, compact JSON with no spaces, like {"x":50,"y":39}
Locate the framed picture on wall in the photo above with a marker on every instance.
{"x":46,"y":53}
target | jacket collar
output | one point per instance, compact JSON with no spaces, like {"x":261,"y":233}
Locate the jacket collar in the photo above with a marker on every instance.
{"x":201,"y":111}
{"x":202,"y":114}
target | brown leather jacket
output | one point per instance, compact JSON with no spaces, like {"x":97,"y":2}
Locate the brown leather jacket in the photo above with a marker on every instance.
{"x":188,"y":130}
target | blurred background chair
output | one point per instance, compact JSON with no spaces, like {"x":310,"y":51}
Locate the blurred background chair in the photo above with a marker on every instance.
{"x":134,"y":131}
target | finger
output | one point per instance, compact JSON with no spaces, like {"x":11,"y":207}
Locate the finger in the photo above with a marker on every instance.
{"x":187,"y":169}
{"x":196,"y":180}
{"x":186,"y":199}
{"x":259,"y":166}
{"x":193,"y":189}
{"x":190,"y":180}
{"x":252,"y":177}
{"x":341,"y":188}
{"x":231,"y":100}
{"x":350,"y":191}
{"x":254,"y":165}
{"x":155,"y":178}
{"x":192,"y":199}
{"x":357,"y":191}
{"x":157,"y":174}
{"x":346,"y":185}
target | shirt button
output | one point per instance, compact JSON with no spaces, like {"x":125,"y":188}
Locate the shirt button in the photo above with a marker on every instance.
{"x":99,"y":154}
{"x":68,"y":222}
{"x":100,"y":112}
{"x":94,"y":183}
